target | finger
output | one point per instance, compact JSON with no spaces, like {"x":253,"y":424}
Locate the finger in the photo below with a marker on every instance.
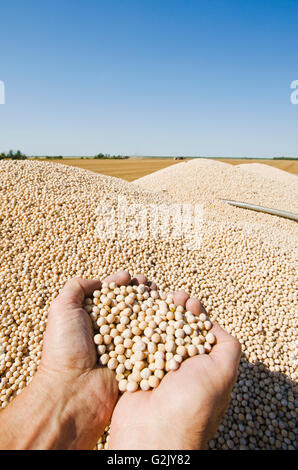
{"x":90,"y":285}
{"x":227,"y":350}
{"x":180,"y":297}
{"x":195,"y":306}
{"x":76,"y":289}
{"x":139,"y":279}
{"x":122,"y":278}
{"x":152,"y":285}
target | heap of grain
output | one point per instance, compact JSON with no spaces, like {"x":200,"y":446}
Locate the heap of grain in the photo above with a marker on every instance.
{"x":207,"y":181}
{"x":47,"y":235}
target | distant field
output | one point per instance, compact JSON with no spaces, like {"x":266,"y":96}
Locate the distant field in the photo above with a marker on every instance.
{"x":134,"y":168}
{"x":128,"y":170}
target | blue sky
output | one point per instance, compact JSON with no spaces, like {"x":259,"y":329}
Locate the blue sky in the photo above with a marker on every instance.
{"x":149,"y":77}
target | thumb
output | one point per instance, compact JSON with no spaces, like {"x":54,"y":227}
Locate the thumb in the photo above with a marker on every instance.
{"x":226,"y":352}
{"x":75,"y":291}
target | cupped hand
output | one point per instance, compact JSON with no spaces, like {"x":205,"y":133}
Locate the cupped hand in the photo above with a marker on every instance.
{"x":69,"y":356}
{"x":185,"y":410}
{"x":182,"y":413}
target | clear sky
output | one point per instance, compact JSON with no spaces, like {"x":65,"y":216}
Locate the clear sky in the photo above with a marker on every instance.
{"x":149,"y":77}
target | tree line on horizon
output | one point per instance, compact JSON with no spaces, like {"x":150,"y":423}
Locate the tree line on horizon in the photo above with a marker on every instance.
{"x":18,"y":155}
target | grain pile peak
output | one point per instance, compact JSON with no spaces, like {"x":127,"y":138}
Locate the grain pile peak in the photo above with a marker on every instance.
{"x":247,"y":285}
{"x":268,"y":171}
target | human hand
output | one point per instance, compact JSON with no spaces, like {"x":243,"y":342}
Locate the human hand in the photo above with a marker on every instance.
{"x":69,"y":360}
{"x":185,"y":410}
